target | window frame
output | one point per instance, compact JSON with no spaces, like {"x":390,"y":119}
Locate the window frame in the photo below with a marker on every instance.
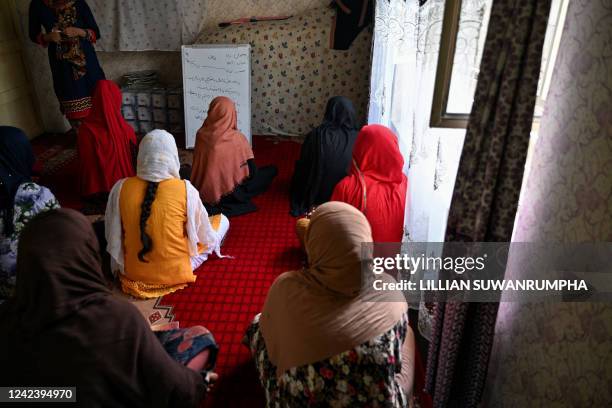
{"x":440,"y":118}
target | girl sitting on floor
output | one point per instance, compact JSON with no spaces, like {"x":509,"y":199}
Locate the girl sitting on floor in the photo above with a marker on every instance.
{"x":105,"y":142}
{"x":325,"y":157}
{"x":224,"y":169}
{"x":64,"y":326}
{"x":157,"y":230}
{"x":20,"y":200}
{"x":376,"y":183}
{"x":323,"y":341}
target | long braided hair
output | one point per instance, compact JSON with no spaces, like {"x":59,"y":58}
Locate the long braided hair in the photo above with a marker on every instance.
{"x":145,"y":213}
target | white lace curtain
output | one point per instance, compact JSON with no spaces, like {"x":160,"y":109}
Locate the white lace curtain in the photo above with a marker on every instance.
{"x":143,"y":25}
{"x":405,"y":55}
{"x":404,"y":60}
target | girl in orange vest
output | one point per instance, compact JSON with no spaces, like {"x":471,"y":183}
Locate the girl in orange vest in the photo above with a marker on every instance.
{"x":157,"y":229}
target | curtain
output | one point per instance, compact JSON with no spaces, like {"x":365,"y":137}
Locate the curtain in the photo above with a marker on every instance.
{"x":404,"y":58}
{"x":567,"y":198}
{"x":487,"y":189}
{"x":162,"y":25}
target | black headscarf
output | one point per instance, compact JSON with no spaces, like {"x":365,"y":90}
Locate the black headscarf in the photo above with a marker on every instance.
{"x":65,"y":327}
{"x":325,"y":156}
{"x":16,"y":162}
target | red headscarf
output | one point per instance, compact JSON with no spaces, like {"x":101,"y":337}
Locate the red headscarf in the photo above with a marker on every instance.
{"x":221,"y":152}
{"x":376,"y":184}
{"x":105,"y":142}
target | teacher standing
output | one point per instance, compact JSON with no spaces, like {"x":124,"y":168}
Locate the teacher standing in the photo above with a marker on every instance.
{"x":70,"y":31}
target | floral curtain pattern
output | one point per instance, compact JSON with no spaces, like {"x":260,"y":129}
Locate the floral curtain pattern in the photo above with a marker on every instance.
{"x":562,"y":354}
{"x":487,"y":189}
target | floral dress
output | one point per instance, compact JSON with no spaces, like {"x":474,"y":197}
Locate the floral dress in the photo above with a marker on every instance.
{"x":30,"y":200}
{"x":362,"y":377}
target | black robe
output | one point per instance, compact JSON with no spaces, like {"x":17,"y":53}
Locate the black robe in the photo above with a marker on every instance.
{"x":238,"y":202}
{"x":325,"y":157}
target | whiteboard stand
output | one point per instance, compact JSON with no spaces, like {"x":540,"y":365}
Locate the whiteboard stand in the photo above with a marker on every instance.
{"x":211,"y":70}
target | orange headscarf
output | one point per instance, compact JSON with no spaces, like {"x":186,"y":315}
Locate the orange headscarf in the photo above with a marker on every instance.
{"x":221,"y":152}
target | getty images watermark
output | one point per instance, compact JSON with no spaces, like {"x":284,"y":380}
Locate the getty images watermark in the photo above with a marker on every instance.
{"x":489,"y":271}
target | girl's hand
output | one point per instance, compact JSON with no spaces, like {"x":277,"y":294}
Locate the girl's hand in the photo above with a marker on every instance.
{"x":74,"y":32}
{"x":53,"y":36}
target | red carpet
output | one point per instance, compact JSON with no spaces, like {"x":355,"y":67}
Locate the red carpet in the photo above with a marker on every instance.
{"x":229,"y":292}
{"x":57,"y":167}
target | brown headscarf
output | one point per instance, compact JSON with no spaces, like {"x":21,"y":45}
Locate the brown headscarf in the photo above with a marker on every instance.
{"x":321,"y":311}
{"x":65,"y":327}
{"x":221,"y":152}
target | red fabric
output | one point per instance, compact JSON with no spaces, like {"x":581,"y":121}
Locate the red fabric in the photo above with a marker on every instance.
{"x":92,"y":36}
{"x":105,"y":142}
{"x":376,"y":184}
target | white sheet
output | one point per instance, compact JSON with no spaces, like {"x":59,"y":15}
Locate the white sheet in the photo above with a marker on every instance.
{"x":162,"y":25}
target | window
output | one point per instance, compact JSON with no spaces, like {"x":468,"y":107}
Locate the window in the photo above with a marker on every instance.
{"x":463,"y":36}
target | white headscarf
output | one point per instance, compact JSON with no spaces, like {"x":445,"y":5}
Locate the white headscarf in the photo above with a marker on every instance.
{"x":158,"y":160}
{"x":158,"y":157}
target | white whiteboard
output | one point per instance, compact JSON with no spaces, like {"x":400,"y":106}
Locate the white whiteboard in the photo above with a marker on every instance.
{"x":215,"y":70}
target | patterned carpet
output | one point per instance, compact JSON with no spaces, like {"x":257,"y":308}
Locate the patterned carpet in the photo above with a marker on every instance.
{"x":57,"y":167}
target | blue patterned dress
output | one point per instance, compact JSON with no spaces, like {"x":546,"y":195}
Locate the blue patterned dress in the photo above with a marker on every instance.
{"x":30,"y":200}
